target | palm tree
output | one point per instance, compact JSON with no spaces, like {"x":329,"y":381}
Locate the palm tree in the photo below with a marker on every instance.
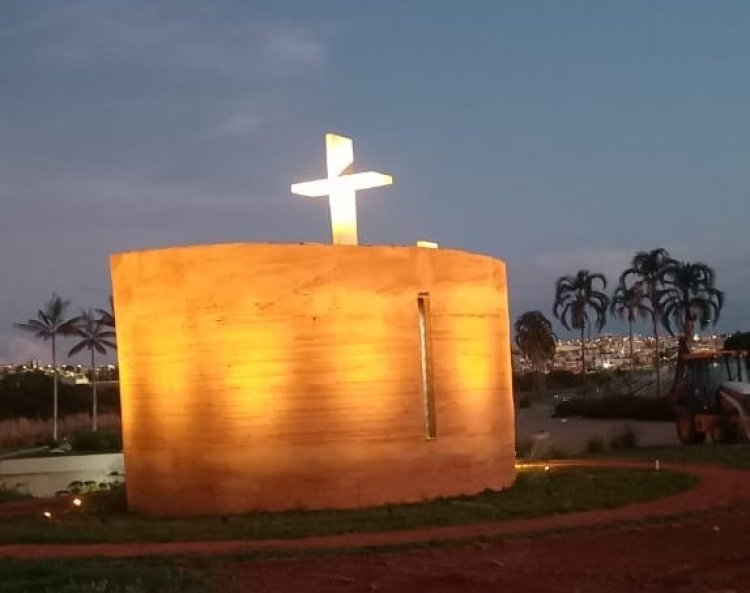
{"x":49,"y":323}
{"x":689,"y":296}
{"x":107,"y":319}
{"x":630,"y":302}
{"x":574,"y":296}
{"x":95,"y":338}
{"x":646,"y":267}
{"x":535,"y":338}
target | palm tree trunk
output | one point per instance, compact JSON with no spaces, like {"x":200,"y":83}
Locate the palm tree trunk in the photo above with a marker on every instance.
{"x":657,"y":360}
{"x":583,"y":351}
{"x":542,"y":377}
{"x":630,"y":376}
{"x":93,"y":394}
{"x":687,"y":325}
{"x":54,"y":390}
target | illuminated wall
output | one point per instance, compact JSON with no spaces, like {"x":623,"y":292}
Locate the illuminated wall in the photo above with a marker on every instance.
{"x":261,"y":376}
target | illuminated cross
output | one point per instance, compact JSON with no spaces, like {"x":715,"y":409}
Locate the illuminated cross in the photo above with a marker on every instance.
{"x":341,"y":186}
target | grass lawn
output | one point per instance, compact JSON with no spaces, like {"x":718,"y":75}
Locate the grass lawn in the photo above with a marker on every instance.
{"x":736,"y":456}
{"x":132,"y":575}
{"x":103,"y":518}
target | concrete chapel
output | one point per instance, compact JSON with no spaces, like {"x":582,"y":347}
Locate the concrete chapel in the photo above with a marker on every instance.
{"x":275,"y":376}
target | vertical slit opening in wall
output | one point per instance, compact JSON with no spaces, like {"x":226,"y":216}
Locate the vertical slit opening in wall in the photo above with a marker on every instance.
{"x":425,"y":359}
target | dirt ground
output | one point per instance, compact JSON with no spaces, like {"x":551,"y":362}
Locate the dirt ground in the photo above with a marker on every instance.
{"x":711,"y":554}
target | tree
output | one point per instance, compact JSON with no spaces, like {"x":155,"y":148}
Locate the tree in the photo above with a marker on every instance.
{"x":107,"y":318}
{"x":50,"y":322}
{"x":646,"y":267}
{"x":629,"y":303}
{"x":94,"y":337}
{"x":738,"y":341}
{"x":535,"y":338}
{"x":574,"y":296}
{"x":689,"y":296}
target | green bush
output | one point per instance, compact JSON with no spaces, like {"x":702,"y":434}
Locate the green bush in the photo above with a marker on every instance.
{"x":12,"y":494}
{"x":601,"y":378}
{"x":103,"y":440}
{"x":614,"y":407}
{"x":553,"y":380}
{"x":563,"y":379}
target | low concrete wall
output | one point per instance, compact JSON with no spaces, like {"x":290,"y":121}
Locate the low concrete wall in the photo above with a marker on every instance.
{"x":41,"y":477}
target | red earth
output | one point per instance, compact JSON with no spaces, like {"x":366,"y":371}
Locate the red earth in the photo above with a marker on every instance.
{"x":609,"y":550}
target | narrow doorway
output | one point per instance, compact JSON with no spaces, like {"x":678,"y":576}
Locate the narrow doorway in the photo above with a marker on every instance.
{"x":425,"y":345}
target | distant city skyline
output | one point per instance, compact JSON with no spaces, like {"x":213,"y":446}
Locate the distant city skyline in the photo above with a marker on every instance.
{"x":554,"y":136}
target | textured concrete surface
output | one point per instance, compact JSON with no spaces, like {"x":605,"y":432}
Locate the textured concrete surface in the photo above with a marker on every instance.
{"x":262,"y":376}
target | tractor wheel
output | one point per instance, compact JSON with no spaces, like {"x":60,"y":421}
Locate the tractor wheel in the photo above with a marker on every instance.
{"x":686,"y":429}
{"x":724,"y":432}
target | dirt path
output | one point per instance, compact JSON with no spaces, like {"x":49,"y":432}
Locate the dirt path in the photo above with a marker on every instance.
{"x":710,"y":555}
{"x":718,"y":488}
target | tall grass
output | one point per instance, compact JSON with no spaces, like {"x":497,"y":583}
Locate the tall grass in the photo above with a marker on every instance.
{"x":19,"y":433}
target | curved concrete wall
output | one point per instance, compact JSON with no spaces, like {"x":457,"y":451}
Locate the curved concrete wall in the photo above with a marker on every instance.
{"x":262,"y":376}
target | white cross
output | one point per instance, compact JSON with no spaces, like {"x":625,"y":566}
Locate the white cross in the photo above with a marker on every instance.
{"x":341,"y":188}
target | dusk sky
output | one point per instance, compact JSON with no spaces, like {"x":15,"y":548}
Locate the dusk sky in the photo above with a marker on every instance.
{"x":555,"y":135}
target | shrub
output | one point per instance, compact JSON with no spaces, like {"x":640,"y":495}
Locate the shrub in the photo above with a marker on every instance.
{"x":562,"y":379}
{"x":12,"y":494}
{"x":626,"y":440}
{"x":617,"y":407}
{"x":104,"y":440}
{"x":556,"y":379}
{"x":113,"y":482}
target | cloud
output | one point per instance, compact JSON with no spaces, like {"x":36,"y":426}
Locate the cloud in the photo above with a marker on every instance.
{"x":148,"y":105}
{"x":292,"y":46}
{"x":239,"y":124}
{"x":144,"y":36}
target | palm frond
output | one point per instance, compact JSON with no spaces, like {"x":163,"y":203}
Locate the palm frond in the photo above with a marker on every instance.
{"x":80,"y":346}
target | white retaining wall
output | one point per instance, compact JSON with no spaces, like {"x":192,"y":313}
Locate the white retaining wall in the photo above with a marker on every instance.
{"x":42,"y":477}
